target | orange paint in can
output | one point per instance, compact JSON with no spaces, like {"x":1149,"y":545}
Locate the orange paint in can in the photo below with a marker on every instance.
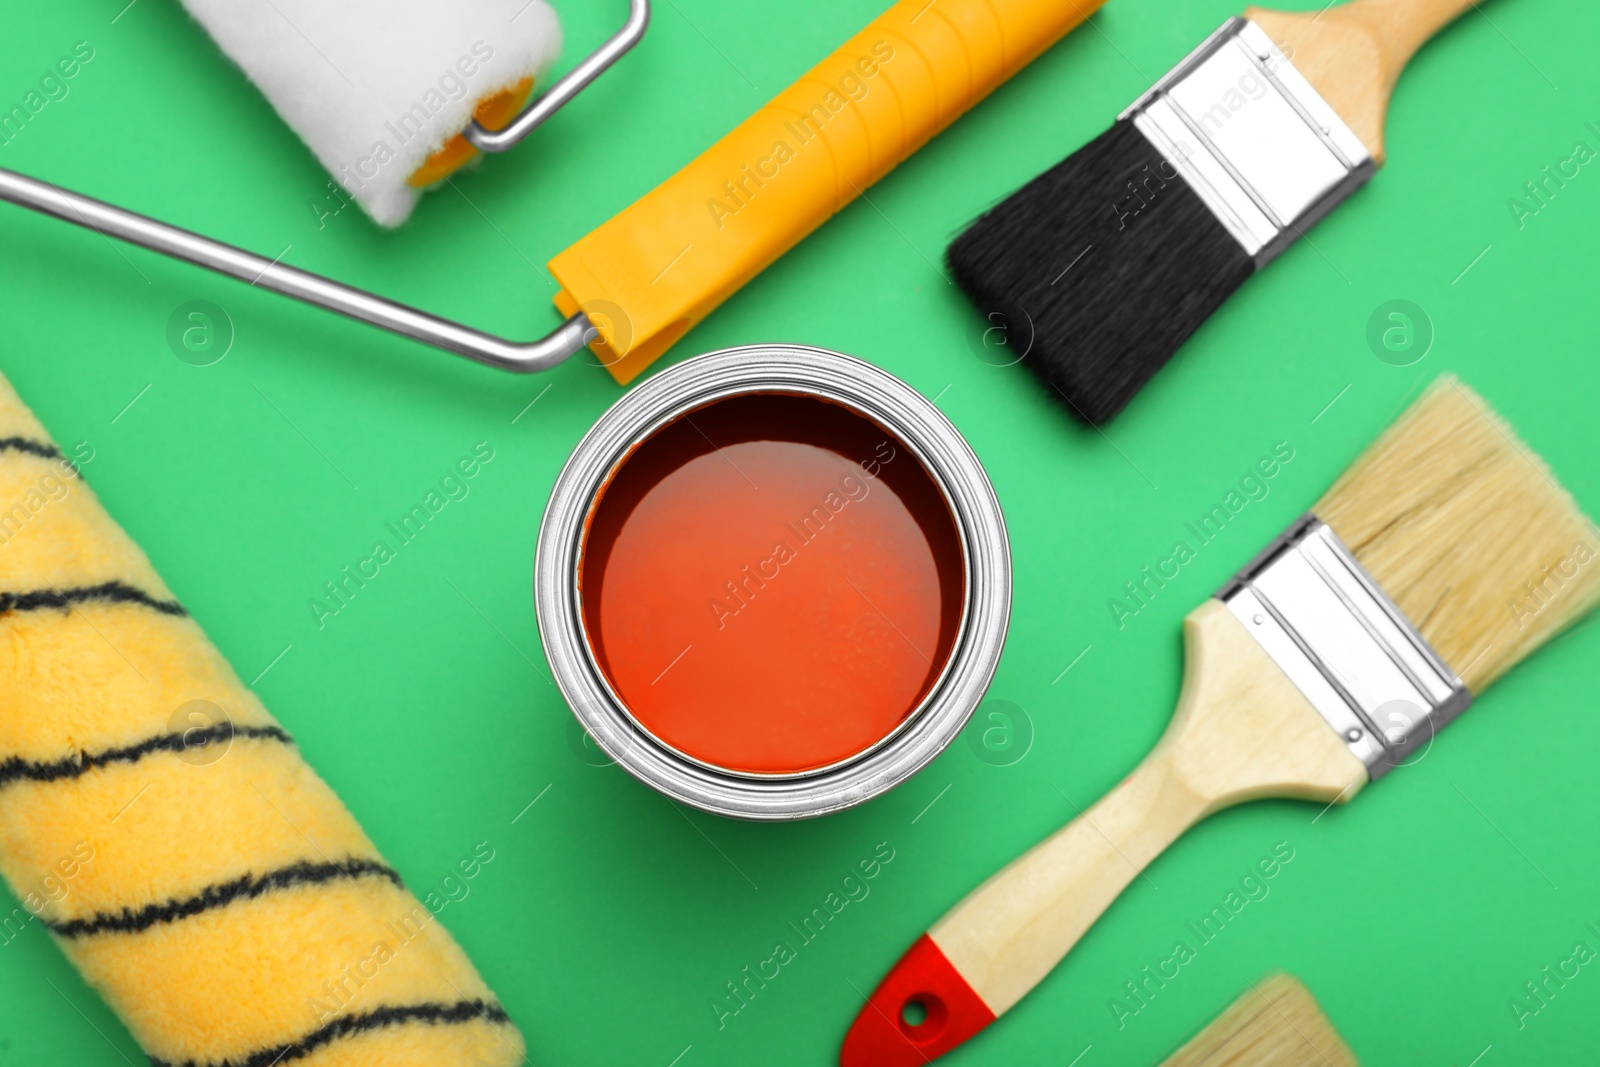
{"x":771,"y":583}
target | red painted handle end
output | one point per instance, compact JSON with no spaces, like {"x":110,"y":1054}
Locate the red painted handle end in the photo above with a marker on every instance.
{"x":923,"y":1009}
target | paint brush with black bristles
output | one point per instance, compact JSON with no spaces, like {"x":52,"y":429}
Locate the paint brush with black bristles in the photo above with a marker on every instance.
{"x":1443,"y":558}
{"x":1102,"y":267}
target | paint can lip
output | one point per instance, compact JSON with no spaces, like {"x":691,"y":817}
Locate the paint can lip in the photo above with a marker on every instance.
{"x":666,"y":417}
{"x":949,"y":461}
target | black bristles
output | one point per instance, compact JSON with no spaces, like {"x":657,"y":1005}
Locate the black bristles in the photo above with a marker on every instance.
{"x":1099,"y":269}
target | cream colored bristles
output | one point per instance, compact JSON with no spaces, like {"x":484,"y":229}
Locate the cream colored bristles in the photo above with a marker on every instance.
{"x":1276,"y":1024}
{"x":1468,"y":532}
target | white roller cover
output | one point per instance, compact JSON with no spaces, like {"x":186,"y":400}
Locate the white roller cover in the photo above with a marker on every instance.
{"x":375,"y":87}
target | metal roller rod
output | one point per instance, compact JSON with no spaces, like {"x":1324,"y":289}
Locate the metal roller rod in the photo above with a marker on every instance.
{"x":111,"y":221}
{"x":562,"y":92}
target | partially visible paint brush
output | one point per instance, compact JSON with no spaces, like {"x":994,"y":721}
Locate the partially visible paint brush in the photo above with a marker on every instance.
{"x":1443,"y":558}
{"x":1101,"y":268}
{"x":1277,"y":1023}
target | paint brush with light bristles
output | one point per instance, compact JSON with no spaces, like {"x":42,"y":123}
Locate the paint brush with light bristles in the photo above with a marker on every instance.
{"x":1276,"y":1024}
{"x":1444,"y":557}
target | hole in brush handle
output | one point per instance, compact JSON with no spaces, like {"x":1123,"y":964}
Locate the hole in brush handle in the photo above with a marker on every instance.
{"x":925,"y":986}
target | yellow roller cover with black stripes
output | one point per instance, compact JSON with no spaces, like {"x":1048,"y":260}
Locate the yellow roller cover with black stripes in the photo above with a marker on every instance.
{"x":164,"y":828}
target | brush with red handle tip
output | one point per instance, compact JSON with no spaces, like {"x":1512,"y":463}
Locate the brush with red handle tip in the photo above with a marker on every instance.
{"x":1443,"y":558}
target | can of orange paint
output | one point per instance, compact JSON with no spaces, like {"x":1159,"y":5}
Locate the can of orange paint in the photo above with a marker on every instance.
{"x":773,"y":582}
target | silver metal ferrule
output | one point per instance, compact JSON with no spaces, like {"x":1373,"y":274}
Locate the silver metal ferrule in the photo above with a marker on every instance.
{"x":1260,"y":146}
{"x":1357,"y":658}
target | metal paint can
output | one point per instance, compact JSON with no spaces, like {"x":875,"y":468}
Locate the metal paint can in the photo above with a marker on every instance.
{"x":948,"y":462}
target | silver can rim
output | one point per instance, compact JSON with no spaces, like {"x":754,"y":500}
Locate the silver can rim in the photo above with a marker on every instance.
{"x":660,"y":420}
{"x":948,"y":459}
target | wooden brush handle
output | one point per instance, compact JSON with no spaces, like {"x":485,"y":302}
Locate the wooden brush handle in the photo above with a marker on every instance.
{"x":1353,"y":54}
{"x":1402,"y":26}
{"x":1241,"y":731}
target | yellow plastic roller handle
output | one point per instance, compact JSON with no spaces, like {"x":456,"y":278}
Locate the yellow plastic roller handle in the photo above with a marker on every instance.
{"x":663,"y":264}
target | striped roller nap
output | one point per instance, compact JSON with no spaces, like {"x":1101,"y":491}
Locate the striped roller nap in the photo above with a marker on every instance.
{"x":165,"y":829}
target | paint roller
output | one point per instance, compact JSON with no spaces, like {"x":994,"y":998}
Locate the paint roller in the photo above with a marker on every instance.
{"x":166,"y":831}
{"x":634,"y":286}
{"x":394,"y":96}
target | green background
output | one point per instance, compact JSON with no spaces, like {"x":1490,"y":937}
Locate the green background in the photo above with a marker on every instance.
{"x":610,"y":919}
